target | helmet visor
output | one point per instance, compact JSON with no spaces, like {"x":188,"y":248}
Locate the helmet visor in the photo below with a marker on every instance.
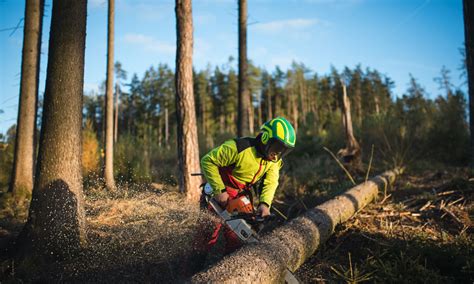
{"x":275,"y":150}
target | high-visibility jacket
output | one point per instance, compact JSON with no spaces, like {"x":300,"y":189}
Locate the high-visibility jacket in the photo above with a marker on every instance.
{"x":237,"y":162}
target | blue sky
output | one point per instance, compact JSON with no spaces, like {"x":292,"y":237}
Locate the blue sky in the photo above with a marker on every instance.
{"x":394,"y":37}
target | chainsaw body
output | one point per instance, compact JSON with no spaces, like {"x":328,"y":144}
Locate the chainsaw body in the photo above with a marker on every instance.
{"x":235,"y":215}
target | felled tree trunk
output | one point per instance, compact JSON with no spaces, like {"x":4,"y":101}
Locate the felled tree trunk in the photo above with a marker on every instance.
{"x":292,"y":244}
{"x":351,"y":155}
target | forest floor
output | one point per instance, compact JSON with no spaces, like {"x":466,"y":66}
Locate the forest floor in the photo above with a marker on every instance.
{"x":419,"y":231}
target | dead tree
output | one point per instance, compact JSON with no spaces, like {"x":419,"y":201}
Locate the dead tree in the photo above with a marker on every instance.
{"x":350,"y":155}
{"x":188,"y":148}
{"x":56,"y":223}
{"x":243,"y":115}
{"x":468,"y":8}
{"x":24,"y":158}
{"x":290,"y":245}
{"x":109,"y":101}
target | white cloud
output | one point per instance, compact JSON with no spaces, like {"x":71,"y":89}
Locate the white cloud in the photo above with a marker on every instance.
{"x":335,"y":2}
{"x":205,"y":19}
{"x":150,"y":44}
{"x":202,"y":48}
{"x":91,"y":87}
{"x":290,"y":25}
{"x":97,"y":3}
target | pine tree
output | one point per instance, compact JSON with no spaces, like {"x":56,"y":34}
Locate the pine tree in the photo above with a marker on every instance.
{"x":56,"y":223}
{"x":244,"y":105}
{"x":109,"y":94}
{"x":24,"y":158}
{"x":188,"y":148}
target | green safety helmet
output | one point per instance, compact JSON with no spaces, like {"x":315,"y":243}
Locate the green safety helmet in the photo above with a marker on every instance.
{"x":278,"y":137}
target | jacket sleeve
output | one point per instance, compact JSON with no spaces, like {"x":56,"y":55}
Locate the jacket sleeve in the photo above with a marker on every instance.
{"x":222,"y":156}
{"x":270,"y":183}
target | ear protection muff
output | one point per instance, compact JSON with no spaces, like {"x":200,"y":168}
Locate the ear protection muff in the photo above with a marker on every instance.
{"x":265,"y":138}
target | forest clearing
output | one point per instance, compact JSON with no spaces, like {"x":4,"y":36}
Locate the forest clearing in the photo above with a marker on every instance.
{"x":234,"y":171}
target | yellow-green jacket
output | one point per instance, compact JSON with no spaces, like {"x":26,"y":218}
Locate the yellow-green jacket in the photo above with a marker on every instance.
{"x":247,"y":166}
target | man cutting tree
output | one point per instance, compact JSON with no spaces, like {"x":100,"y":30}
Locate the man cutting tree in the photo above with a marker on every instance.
{"x":234,"y":167}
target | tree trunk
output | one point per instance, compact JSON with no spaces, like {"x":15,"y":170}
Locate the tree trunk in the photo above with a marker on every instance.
{"x":259,"y":111}
{"x":109,"y":97}
{"x":294,"y":110}
{"x":243,"y":118}
{"x":251,"y":112}
{"x":292,"y":244}
{"x":269,"y":100}
{"x":188,"y":148}
{"x":377,"y":106}
{"x":469,"y":41}
{"x":167,"y":129}
{"x":160,"y":130}
{"x":117,"y":94}
{"x":352,"y":153}
{"x":24,"y":158}
{"x":56,"y":223}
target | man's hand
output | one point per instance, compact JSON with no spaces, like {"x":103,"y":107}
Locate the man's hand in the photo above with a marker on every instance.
{"x":222,"y":199}
{"x":263,"y":210}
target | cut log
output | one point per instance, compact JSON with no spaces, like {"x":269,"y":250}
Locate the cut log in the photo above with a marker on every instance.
{"x":292,"y":244}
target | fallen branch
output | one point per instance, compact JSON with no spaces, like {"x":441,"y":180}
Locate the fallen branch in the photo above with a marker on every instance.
{"x":292,"y":244}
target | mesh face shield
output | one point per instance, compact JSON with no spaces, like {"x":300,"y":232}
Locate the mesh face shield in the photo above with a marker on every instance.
{"x":275,"y":150}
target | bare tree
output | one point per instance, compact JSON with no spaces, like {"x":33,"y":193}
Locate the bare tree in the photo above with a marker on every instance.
{"x":24,"y":158}
{"x":469,"y":41}
{"x":56,"y":223}
{"x":243,"y":117}
{"x":188,"y":148}
{"x":352,"y":153}
{"x":109,"y":97}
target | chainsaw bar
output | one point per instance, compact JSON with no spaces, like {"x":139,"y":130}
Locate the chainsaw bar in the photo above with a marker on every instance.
{"x":244,"y":231}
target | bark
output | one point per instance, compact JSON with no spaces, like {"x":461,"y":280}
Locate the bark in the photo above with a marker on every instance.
{"x":56,"y":223}
{"x":468,"y":8}
{"x":243,"y":119}
{"x":377,"y":106}
{"x":109,"y":104}
{"x":251,"y":112}
{"x":269,"y":100}
{"x":294,"y":110}
{"x":259,"y":111}
{"x":352,"y":153}
{"x":188,"y":148}
{"x":167,"y":131}
{"x":302,"y":98}
{"x":292,"y":244}
{"x":117,"y":94}
{"x":24,"y":158}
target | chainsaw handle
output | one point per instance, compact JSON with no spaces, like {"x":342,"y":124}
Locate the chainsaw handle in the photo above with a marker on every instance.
{"x":260,"y":219}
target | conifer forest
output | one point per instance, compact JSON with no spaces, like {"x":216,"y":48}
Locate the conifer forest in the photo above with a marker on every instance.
{"x":120,"y":183}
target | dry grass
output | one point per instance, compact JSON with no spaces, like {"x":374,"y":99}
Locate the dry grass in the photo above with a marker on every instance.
{"x":152,"y":236}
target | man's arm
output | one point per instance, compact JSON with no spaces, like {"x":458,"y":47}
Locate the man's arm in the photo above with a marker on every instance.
{"x":222,"y":156}
{"x":270,"y":184}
